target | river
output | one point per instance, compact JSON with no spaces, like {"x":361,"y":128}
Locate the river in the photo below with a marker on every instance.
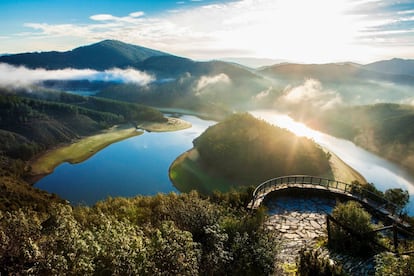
{"x":139,"y":165}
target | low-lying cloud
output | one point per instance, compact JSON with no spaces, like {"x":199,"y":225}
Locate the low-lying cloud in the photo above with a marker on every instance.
{"x":263,"y":94}
{"x":312,"y":93}
{"x":205,"y":81}
{"x":20,"y":76}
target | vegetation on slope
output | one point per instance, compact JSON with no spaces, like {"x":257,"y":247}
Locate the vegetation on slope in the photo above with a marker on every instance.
{"x":165,"y":234}
{"x":246,"y":151}
{"x":30,"y":125}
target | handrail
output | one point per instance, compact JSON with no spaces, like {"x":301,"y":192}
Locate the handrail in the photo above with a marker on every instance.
{"x":356,"y":191}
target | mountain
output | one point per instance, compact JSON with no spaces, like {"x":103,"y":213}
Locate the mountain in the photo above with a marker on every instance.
{"x":353,"y":83}
{"x":99,"y":56}
{"x":395,"y":66}
{"x":338,"y":72}
{"x":253,"y":62}
{"x":185,"y":83}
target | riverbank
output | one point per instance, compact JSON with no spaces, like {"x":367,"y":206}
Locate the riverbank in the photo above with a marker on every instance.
{"x":173,"y":124}
{"x":86,"y":147}
{"x":81,"y":150}
{"x":343,"y":172}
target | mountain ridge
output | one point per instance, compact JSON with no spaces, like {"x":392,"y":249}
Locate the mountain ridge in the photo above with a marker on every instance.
{"x":395,"y":66}
{"x":116,"y":53}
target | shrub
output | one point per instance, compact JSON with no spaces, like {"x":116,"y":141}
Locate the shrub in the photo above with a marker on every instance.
{"x":354,"y":217}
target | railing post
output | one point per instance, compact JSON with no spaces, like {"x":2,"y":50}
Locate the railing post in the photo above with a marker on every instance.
{"x":395,"y":235}
{"x":328,"y":229}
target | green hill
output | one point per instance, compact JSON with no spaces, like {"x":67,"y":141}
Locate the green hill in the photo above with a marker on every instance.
{"x":243,"y":150}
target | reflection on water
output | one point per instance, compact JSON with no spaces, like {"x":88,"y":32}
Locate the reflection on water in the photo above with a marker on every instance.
{"x":138,"y":165}
{"x":382,"y":173}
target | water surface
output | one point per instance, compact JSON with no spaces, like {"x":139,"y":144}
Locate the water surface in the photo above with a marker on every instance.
{"x":138,"y":165}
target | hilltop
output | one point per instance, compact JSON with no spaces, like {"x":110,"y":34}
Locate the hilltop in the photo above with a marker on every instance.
{"x":99,"y":56}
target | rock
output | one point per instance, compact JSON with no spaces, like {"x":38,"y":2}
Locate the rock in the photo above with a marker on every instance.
{"x":315,"y":224}
{"x":291,"y":236}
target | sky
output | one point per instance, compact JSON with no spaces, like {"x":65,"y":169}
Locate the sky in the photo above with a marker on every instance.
{"x":308,"y":31}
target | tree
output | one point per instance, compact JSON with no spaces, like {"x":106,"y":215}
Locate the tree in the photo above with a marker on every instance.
{"x":399,"y":197}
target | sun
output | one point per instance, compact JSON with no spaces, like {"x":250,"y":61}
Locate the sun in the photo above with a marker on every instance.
{"x":306,"y":31}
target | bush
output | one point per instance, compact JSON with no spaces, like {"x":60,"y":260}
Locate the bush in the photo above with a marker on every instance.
{"x":311,"y":263}
{"x":354,"y":217}
{"x":392,"y":265}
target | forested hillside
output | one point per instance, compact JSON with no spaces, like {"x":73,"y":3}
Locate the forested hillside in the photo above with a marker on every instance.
{"x":247,"y":149}
{"x":29,"y":125}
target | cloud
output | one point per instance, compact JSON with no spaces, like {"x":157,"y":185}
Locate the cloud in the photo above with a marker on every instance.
{"x":12,"y":76}
{"x":103,"y":17}
{"x":312,"y":93}
{"x":263,"y":94}
{"x":340,"y":29}
{"x":136,"y":14}
{"x":205,"y":81}
{"x":131,"y":18}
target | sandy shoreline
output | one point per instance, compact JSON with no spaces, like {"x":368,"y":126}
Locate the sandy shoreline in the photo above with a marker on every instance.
{"x":343,"y":172}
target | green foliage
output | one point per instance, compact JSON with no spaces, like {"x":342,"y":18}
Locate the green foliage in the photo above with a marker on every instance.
{"x":312,"y":263}
{"x":397,"y":196}
{"x":166,"y":234}
{"x":173,"y":251}
{"x":356,"y":219}
{"x":392,"y":265}
{"x":248,"y":150}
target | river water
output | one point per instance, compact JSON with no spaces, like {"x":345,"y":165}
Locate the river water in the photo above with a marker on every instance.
{"x":139,"y":165}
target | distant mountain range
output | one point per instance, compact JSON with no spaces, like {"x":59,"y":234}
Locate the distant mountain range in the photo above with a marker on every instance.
{"x":253,"y":62}
{"x":342,"y":72}
{"x":179,"y":79}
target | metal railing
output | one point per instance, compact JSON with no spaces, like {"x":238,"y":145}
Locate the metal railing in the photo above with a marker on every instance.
{"x":304,"y":181}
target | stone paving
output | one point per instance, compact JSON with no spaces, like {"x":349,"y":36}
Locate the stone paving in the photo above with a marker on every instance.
{"x":300,"y":223}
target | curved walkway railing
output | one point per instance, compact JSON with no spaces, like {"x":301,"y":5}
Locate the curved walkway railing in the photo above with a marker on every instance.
{"x":353,"y":191}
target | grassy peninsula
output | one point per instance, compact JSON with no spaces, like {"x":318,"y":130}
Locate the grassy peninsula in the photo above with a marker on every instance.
{"x":80,"y":150}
